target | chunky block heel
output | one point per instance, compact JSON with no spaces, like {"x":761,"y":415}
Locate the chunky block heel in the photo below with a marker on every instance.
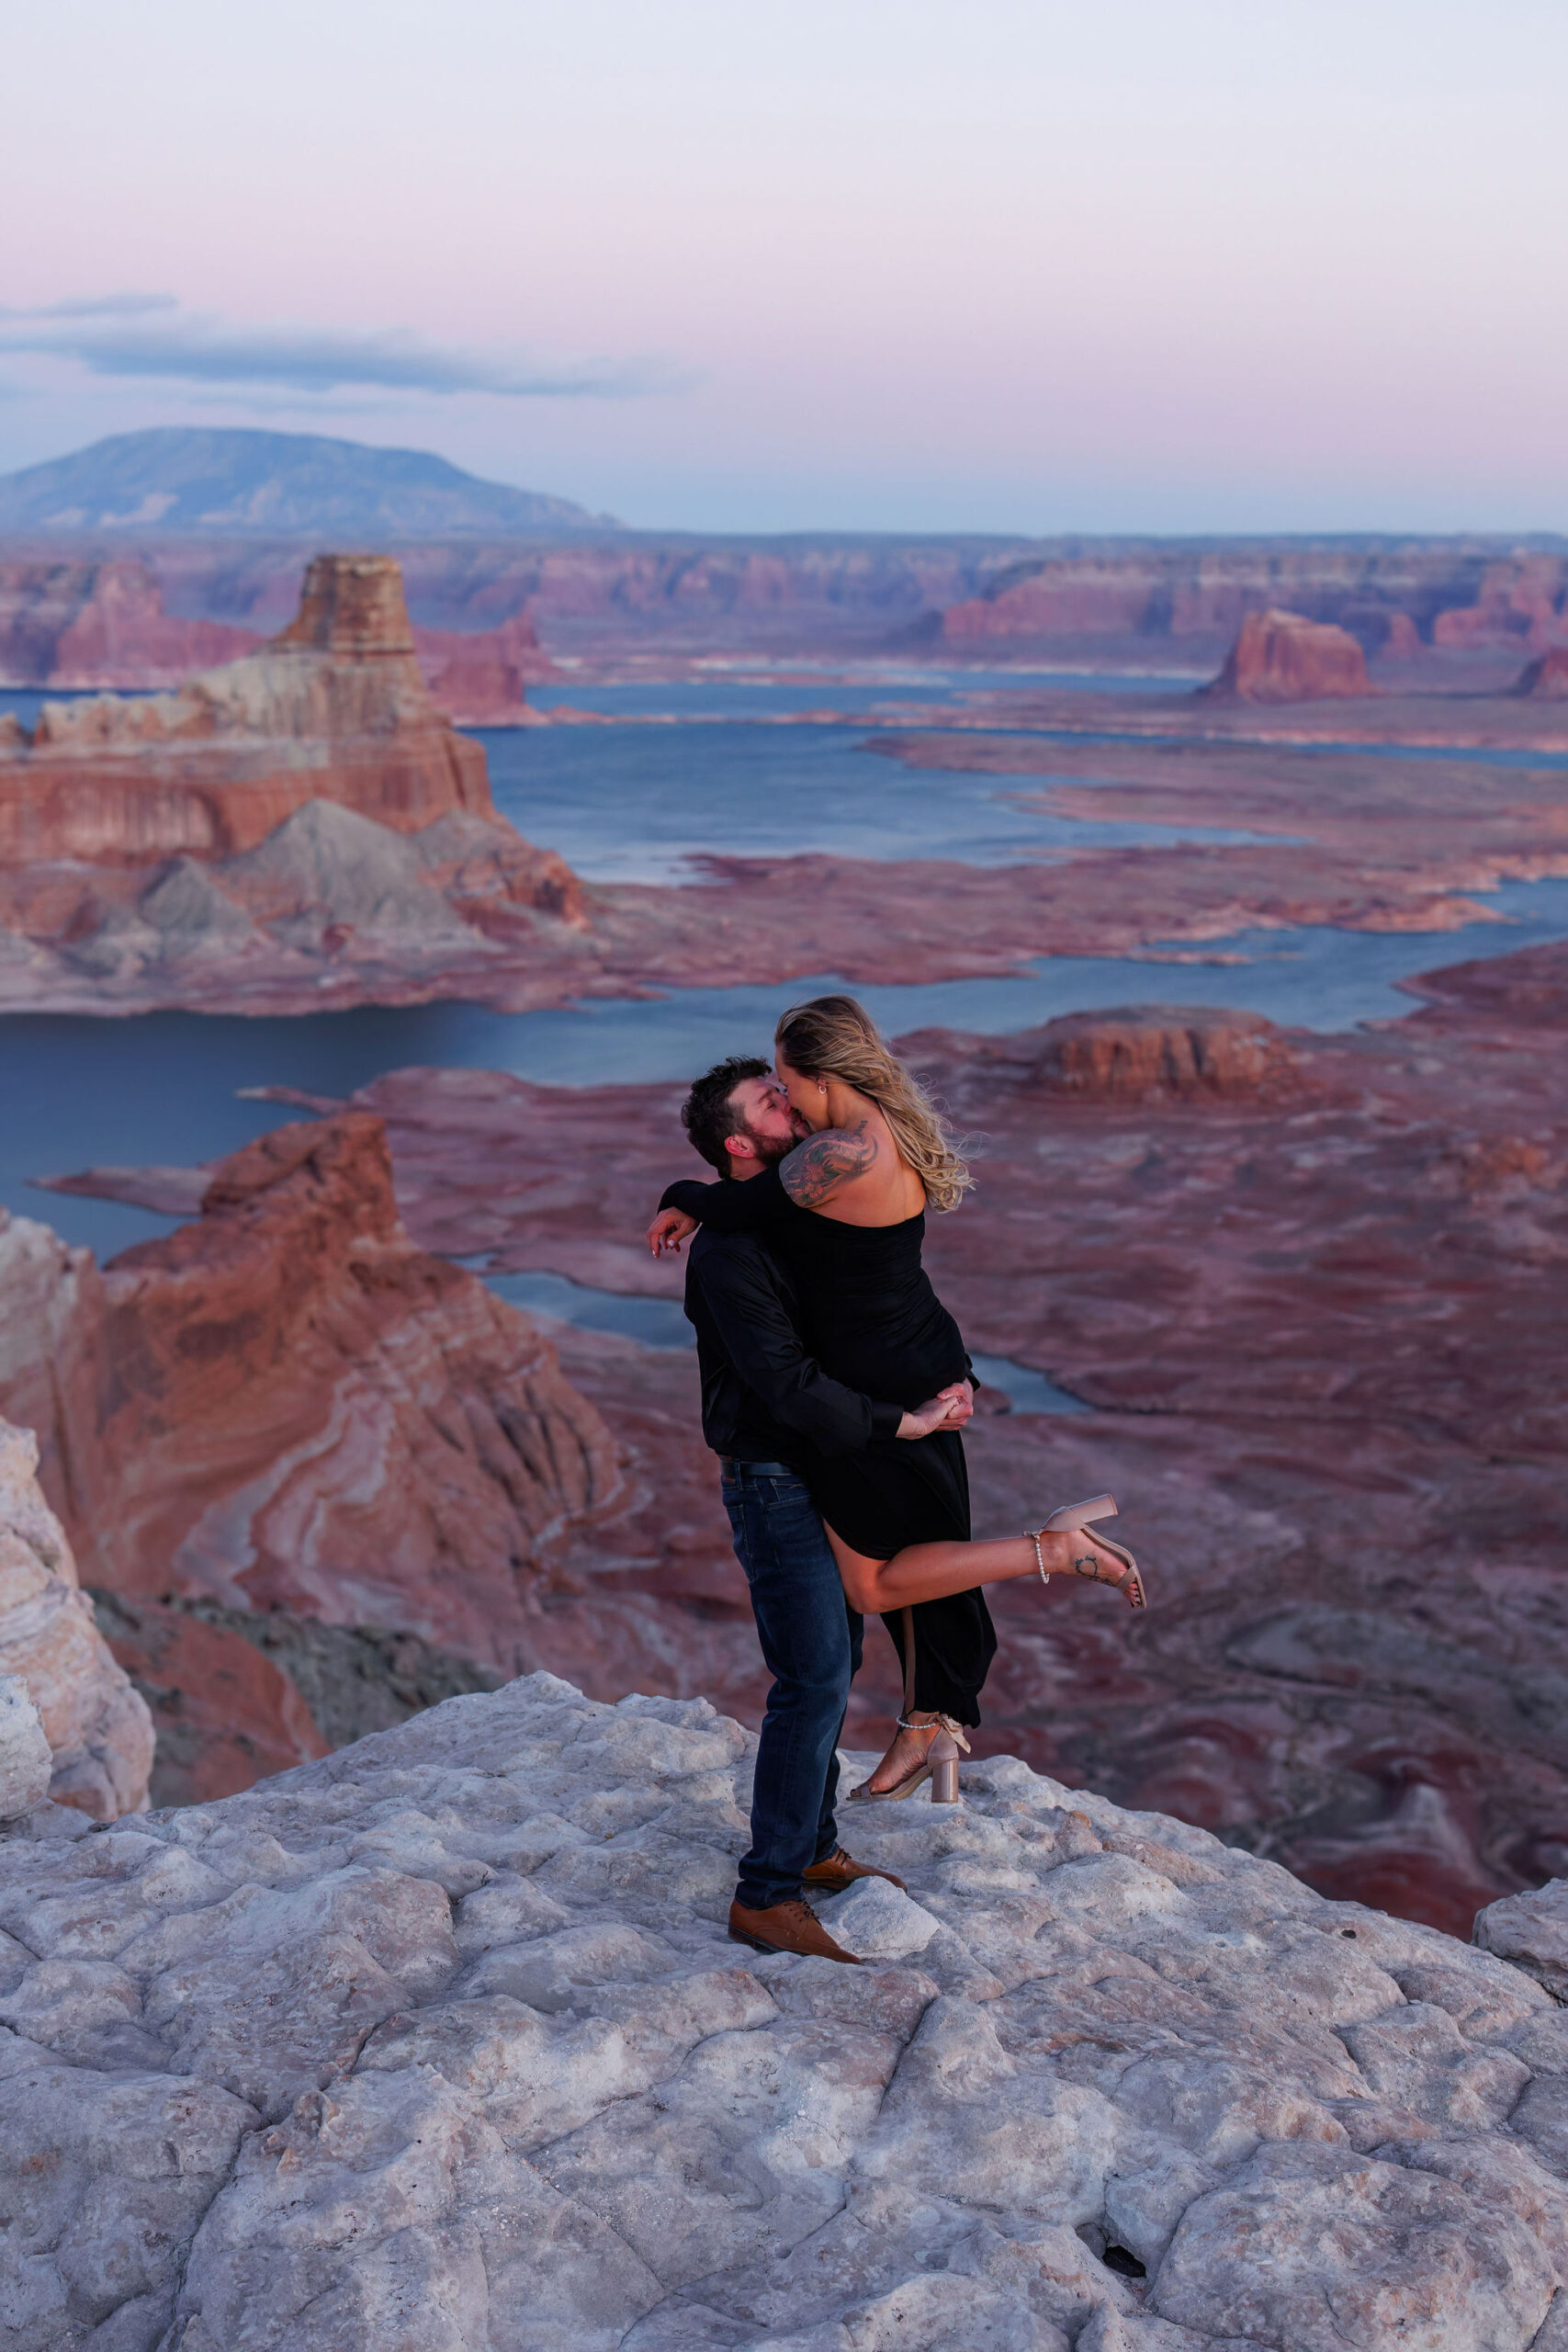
{"x":942,"y":1757}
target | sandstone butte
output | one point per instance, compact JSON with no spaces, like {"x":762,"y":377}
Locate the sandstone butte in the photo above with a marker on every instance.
{"x":438,"y":2044}
{"x":75,"y":624}
{"x":1282,"y":657}
{"x":333,"y":708}
{"x":304,"y":815}
{"x":287,"y":1409}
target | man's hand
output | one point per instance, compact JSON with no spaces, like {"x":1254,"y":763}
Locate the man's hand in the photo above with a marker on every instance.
{"x":948,"y":1410}
{"x":669,"y":1230}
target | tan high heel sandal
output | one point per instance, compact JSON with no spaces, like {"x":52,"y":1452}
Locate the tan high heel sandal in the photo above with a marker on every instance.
{"x":1068,"y":1521}
{"x":938,"y":1765}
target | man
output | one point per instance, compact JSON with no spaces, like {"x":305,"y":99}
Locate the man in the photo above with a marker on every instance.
{"x":766,"y":1404}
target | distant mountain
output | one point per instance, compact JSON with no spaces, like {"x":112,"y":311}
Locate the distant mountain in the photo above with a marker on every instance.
{"x":279,"y":484}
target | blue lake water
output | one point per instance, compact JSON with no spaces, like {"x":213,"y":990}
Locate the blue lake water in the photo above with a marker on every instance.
{"x":755,"y":696}
{"x":637,"y":803}
{"x":161,"y":1087}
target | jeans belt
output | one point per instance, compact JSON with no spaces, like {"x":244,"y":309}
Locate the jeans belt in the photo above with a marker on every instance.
{"x":728,"y":1462}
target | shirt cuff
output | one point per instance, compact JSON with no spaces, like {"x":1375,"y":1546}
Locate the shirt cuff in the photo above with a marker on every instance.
{"x":884,"y":1419}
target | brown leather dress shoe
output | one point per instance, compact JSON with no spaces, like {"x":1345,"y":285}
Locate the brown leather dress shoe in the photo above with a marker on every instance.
{"x":786,"y":1926}
{"x":838,"y":1870}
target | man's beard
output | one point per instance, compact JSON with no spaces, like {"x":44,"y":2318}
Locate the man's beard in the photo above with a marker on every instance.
{"x":770,"y":1149}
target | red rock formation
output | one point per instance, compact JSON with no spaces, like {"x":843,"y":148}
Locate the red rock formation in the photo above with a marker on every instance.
{"x":1155,"y":1052}
{"x":1131,"y":601}
{"x":1547,"y":675}
{"x":481,"y":680}
{"x":1282,"y":657}
{"x":288,"y":1407}
{"x":121,"y":636}
{"x":79,"y":624}
{"x":303,"y":1411}
{"x":333,"y":709}
{"x":1522,"y":601}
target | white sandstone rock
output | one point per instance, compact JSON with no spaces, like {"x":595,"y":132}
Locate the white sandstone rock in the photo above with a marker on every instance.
{"x":440,"y":2045}
{"x":874,"y":1920}
{"x":1532,"y":1931}
{"x":97,"y":1725}
{"x":26,"y":1758}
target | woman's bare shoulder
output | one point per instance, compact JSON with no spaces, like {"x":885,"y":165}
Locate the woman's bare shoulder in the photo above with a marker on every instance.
{"x":854,"y":1174}
{"x":829,"y":1160}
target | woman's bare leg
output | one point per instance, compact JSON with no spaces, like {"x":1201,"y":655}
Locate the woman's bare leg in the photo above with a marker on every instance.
{"x":931,"y":1571}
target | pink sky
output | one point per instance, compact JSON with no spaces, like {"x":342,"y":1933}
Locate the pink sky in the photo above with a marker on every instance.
{"x":1003,"y":265}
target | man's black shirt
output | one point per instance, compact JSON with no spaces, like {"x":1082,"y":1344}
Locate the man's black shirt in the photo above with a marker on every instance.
{"x":764,"y":1399}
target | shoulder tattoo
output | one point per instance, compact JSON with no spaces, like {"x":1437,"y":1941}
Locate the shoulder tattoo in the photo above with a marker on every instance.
{"x":818,"y":1166}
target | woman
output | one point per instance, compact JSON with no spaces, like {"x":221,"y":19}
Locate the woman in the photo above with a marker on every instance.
{"x":897,"y":1515}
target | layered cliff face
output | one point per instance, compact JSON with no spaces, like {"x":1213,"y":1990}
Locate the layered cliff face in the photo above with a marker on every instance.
{"x":987,"y":597}
{"x":73,"y":625}
{"x":1391,"y":601}
{"x":441,"y":2044}
{"x":98,"y":1728}
{"x":306,"y":1412}
{"x":1282,"y":657}
{"x":332,"y":710}
{"x":288,"y":1407}
{"x":1521,"y":601}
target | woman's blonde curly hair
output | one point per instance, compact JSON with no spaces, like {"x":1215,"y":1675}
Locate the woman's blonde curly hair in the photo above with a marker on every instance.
{"x":834,"y":1037}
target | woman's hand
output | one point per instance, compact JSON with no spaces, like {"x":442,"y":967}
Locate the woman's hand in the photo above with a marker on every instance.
{"x":669,"y":1230}
{"x":949,"y":1410}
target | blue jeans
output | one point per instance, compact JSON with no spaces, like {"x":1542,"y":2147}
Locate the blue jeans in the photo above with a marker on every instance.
{"x":811,"y":1643}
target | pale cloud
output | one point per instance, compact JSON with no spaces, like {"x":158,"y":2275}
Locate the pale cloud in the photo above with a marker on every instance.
{"x":151,"y":336}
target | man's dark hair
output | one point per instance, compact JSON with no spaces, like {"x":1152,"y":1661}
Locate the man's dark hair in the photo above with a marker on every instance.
{"x":708,"y":1115}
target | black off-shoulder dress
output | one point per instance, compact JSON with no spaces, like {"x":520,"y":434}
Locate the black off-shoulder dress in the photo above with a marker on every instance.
{"x":871,"y":1319}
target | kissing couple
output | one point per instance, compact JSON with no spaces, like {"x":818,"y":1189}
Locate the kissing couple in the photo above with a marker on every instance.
{"x":835,"y":1388}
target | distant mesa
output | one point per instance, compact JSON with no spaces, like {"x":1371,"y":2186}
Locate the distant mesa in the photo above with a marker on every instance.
{"x":1546,"y":677}
{"x":230,"y":482}
{"x":1284,"y":657}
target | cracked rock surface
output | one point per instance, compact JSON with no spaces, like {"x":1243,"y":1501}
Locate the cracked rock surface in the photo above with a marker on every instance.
{"x":438,"y":2044}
